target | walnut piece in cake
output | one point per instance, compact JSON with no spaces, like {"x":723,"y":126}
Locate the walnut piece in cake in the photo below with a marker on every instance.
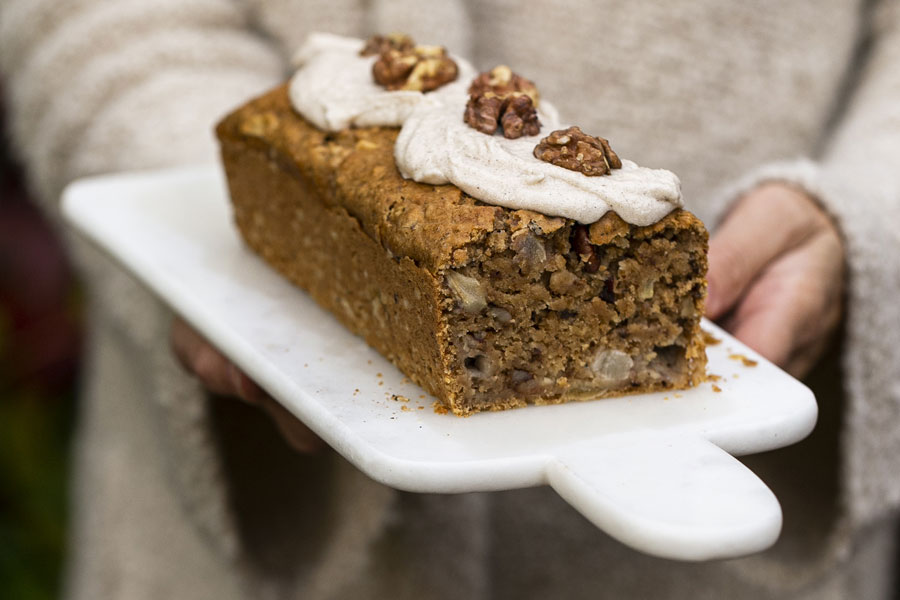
{"x":501,"y":98}
{"x":577,"y":151}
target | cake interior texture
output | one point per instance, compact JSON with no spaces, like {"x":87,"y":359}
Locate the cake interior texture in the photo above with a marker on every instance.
{"x":487,"y":308}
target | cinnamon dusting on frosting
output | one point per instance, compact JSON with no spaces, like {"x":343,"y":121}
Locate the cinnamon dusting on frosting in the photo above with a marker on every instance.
{"x":334,"y":89}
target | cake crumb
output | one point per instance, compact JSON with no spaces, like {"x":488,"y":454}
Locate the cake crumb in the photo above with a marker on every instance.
{"x":405,"y":408}
{"x":380,"y":383}
{"x":709,"y":339}
{"x":421,"y":396}
{"x":713,"y":377}
{"x":378,"y":375}
{"x":399,"y":398}
{"x":716,"y":388}
{"x":366,"y":145}
{"x":748,"y":362}
{"x":420,"y":407}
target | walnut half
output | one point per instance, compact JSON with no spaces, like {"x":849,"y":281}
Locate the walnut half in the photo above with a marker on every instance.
{"x":577,"y":151}
{"x":501,"y":98}
{"x":378,"y":44}
{"x":402,"y":65}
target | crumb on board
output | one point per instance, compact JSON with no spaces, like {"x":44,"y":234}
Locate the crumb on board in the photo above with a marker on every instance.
{"x":421,"y":396}
{"x":748,"y":362}
{"x":420,"y":407}
{"x":405,"y":408}
{"x":713,"y":377}
{"x":709,"y":339}
{"x":716,"y":388}
{"x":378,"y":375}
{"x":399,"y":398}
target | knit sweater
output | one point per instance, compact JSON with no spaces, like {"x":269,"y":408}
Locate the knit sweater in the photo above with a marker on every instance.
{"x":180,"y":495}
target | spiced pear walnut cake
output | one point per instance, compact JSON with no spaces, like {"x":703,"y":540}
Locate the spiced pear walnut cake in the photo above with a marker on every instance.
{"x":497,"y":258}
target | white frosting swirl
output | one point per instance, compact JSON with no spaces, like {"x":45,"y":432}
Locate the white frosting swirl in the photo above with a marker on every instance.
{"x":436,"y":146}
{"x":334,"y":89}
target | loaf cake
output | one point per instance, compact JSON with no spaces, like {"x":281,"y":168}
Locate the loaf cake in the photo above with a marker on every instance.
{"x":486,"y":307}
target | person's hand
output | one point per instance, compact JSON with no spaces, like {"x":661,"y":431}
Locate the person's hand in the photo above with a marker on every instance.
{"x":776,"y":276}
{"x":220,"y":376}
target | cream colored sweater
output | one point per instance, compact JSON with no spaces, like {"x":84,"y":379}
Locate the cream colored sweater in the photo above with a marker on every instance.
{"x":178,"y":496}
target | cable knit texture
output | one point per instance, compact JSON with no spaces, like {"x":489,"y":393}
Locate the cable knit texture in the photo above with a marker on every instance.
{"x":178,"y":496}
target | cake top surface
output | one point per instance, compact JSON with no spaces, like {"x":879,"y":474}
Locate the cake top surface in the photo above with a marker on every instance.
{"x":334,"y":89}
{"x":429,"y":224}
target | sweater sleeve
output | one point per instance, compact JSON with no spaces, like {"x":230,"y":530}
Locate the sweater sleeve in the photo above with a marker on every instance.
{"x":857,"y":180}
{"x":108,"y":85}
{"x":97,"y":86}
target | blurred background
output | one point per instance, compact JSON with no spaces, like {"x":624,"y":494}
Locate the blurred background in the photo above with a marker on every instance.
{"x":40,"y":311}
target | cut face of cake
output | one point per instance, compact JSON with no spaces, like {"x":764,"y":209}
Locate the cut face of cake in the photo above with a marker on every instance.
{"x":487,"y":306}
{"x":546,"y":310}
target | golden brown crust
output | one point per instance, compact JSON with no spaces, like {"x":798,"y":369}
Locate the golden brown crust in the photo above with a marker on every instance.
{"x":356,"y":166}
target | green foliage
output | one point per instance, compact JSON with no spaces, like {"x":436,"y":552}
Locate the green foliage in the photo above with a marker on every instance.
{"x":34,"y":434}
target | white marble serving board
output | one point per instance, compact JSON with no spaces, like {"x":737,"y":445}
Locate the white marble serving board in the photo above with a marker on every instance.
{"x":655,"y":471}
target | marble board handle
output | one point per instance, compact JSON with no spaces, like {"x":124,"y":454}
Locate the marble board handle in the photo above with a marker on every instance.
{"x":677,"y":497}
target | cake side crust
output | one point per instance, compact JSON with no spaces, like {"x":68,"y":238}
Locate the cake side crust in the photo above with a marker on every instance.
{"x":389,"y":301}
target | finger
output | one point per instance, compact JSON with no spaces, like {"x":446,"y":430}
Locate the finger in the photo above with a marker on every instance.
{"x":296,"y":434}
{"x":200,"y":358}
{"x":221,"y":376}
{"x":763,"y":225}
{"x":805,"y":358}
{"x":247,"y":389}
{"x":182,"y":341}
{"x":767,"y":332}
{"x":790,"y":311}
